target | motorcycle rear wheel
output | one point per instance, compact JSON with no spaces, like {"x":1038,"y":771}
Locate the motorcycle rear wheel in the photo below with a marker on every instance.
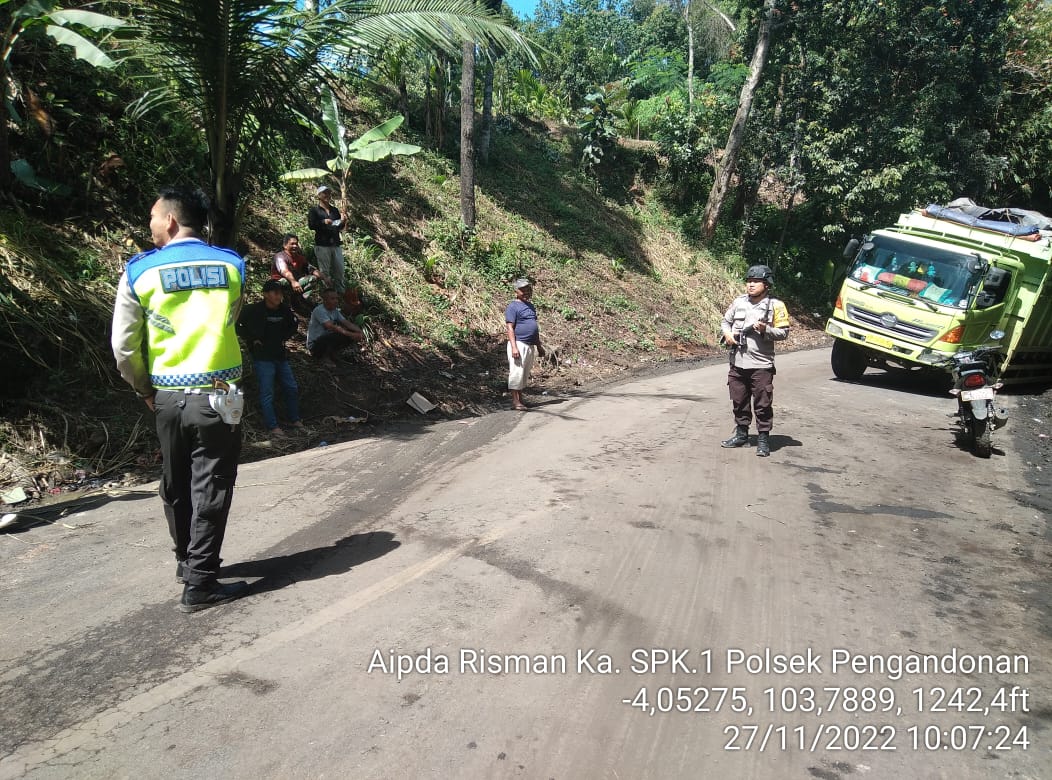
{"x":982,"y":440}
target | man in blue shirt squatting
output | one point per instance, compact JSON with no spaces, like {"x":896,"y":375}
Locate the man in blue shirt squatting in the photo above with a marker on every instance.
{"x":175,"y":344}
{"x":524,"y":341}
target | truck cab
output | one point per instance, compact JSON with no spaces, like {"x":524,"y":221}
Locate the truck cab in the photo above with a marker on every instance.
{"x":914,"y":294}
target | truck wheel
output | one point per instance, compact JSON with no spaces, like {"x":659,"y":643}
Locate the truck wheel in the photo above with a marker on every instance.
{"x":848,"y":361}
{"x":982,"y":441}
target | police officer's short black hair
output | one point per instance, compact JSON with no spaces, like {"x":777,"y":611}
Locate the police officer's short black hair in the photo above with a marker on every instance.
{"x":189,"y":205}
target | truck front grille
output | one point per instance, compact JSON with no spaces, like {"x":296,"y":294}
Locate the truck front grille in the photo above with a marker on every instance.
{"x":905,"y":329}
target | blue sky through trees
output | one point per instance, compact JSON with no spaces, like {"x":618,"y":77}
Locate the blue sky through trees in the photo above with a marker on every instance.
{"x":522,"y":8}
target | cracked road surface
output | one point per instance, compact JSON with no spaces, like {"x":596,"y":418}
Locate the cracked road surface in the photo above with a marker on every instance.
{"x":591,"y":589}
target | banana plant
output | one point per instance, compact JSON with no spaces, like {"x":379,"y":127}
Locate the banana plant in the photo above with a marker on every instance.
{"x":371,"y":146}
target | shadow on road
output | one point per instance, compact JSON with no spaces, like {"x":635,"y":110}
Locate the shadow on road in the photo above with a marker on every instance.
{"x":929,"y":383}
{"x":778,"y":442}
{"x":282,"y":570}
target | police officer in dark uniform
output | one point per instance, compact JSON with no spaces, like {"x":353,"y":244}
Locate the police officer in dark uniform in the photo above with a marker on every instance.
{"x":174,"y":343}
{"x":751,"y":326}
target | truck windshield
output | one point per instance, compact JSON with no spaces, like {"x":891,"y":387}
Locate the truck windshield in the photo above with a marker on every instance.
{"x":918,"y":271}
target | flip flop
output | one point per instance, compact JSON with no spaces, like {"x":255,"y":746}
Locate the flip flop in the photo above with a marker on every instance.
{"x":520,"y":408}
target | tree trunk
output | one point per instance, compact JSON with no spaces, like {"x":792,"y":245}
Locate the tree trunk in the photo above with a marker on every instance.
{"x":403,"y":100}
{"x":5,"y":138}
{"x":690,"y":57}
{"x":224,"y":213}
{"x":467,"y":137}
{"x":486,"y":125}
{"x":729,"y":160}
{"x":5,"y":155}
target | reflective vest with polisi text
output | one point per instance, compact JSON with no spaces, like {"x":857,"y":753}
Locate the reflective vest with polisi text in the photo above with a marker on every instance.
{"x":190,"y":293}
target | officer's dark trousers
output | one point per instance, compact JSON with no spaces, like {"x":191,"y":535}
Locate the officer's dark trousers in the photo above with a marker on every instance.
{"x":753,"y":386}
{"x":197,"y":479}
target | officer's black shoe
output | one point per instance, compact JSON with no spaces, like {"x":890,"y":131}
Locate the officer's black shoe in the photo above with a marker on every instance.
{"x":739,"y":438}
{"x":763,"y":444}
{"x":197,"y":597}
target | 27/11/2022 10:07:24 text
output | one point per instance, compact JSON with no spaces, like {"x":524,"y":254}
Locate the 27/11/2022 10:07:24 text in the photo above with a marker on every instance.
{"x":885,"y":737}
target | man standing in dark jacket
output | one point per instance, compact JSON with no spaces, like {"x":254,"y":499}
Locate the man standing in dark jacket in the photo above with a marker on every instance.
{"x":264,"y":326}
{"x":324,"y":219}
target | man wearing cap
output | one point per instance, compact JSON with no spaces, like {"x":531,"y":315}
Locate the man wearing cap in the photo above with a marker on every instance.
{"x":751,"y":325}
{"x":524,"y":341}
{"x":174,"y":343}
{"x":264,"y":326}
{"x":324,"y":219}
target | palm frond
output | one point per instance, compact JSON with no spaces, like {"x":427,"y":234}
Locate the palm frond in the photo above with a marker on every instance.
{"x":376,"y":25}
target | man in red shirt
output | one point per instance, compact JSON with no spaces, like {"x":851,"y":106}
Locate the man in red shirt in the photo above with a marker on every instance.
{"x":290,"y":267}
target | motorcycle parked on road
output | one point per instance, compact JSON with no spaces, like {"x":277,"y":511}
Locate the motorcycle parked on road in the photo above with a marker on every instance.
{"x":976,"y":380}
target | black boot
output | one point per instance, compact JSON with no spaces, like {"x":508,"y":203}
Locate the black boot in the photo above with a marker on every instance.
{"x":739,"y":438}
{"x":198,"y":597}
{"x":763,"y":444}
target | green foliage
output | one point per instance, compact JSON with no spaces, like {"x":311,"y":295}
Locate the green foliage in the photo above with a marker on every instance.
{"x":1022,"y":130}
{"x":240,"y":67}
{"x":372,"y":146}
{"x":886,"y":105}
{"x":597,"y":133}
{"x":687,"y":148}
{"x":496,"y":261}
{"x":585,"y":43}
{"x":49,"y":312}
{"x":63,"y":25}
{"x":525,"y":94}
{"x":657,"y":71}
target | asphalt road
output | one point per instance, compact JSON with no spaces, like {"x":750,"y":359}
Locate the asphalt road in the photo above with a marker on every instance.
{"x":592,"y":589}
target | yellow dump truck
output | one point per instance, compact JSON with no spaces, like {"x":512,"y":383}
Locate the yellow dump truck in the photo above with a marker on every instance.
{"x":939,"y":281}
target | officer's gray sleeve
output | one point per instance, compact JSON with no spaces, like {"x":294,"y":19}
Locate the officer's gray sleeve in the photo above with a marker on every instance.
{"x":728,"y":317}
{"x":129,"y":339}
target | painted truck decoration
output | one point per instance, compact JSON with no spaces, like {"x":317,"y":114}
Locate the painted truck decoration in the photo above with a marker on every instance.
{"x":938,"y":282}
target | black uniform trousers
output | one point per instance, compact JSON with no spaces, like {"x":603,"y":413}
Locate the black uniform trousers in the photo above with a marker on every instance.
{"x":200,"y":454}
{"x":755,"y":387}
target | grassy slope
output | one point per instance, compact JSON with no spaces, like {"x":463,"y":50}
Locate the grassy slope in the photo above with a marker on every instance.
{"x":616,"y":288}
{"x":611,"y":275}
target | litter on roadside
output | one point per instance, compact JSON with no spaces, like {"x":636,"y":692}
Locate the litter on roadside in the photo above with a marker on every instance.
{"x":420,"y":403}
{"x":15,"y":495}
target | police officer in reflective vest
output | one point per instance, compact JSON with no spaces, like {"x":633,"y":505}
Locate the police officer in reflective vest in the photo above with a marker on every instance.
{"x":750,"y":327}
{"x":174,"y":343}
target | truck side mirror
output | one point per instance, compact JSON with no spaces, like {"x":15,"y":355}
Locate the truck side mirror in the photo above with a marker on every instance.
{"x":851,"y":249}
{"x":995,"y":286}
